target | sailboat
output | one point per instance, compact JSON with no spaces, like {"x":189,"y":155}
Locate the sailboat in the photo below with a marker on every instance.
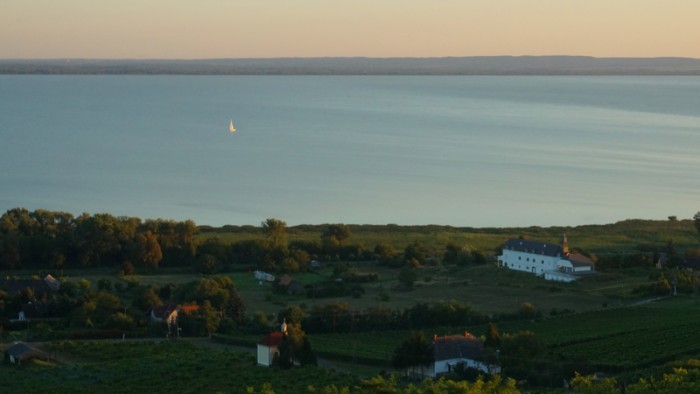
{"x":231,"y":128}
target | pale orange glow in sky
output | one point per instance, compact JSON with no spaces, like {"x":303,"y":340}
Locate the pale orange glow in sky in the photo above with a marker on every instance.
{"x":376,"y":28}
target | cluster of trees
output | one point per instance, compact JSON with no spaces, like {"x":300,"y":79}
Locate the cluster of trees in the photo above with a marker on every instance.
{"x":79,"y":305}
{"x":54,"y":240}
{"x":342,"y":317}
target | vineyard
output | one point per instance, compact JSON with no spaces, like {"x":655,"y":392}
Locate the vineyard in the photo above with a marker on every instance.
{"x":613,"y":340}
{"x":622,"y":339}
{"x":173,"y":366}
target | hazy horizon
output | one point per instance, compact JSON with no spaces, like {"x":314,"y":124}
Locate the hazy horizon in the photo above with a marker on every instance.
{"x":339,"y":57}
{"x":243,"y":29}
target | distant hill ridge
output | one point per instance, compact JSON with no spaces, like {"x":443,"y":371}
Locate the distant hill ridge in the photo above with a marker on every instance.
{"x":481,"y":65}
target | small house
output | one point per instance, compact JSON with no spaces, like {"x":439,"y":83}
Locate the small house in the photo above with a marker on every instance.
{"x":459,"y":351}
{"x":268,"y":347}
{"x":289,"y":285}
{"x":169,"y":314}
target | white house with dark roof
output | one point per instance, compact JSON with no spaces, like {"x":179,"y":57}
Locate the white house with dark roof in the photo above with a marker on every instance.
{"x":454,"y":351}
{"x":553,"y":262}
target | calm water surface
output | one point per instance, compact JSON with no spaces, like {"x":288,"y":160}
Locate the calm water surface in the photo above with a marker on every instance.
{"x":466,"y":151}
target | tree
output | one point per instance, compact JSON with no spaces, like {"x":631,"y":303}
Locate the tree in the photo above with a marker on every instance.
{"x":207,"y":264}
{"x":276,"y":232}
{"x":295,"y":348}
{"x":148,"y":299}
{"x":220,"y":292}
{"x":211,"y":317}
{"x":414,"y":351}
{"x":335,"y":234}
{"x":416,"y":253}
{"x":493,"y":338}
{"x":387,"y":255}
{"x":292,"y":315}
{"x":148,"y":249}
{"x":407,"y":276}
{"x":696,"y":221}
{"x":519,"y":353}
{"x":455,"y":254}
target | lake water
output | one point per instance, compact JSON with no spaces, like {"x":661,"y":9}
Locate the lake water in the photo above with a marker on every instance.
{"x":464,"y":151}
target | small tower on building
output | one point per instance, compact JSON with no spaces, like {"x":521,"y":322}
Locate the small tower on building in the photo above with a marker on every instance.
{"x":565,"y":245}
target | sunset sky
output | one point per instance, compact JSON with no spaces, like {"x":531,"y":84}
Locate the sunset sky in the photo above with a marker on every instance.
{"x":376,"y":28}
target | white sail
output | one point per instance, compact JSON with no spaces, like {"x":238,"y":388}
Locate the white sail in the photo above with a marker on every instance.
{"x":230,"y":127}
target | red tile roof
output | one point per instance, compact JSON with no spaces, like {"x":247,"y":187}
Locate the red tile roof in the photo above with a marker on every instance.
{"x":272,"y":339}
{"x":578,"y":260}
{"x":189,"y":308}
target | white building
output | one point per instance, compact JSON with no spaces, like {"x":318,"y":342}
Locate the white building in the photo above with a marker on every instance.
{"x":268,"y":347}
{"x":455,"y":351}
{"x":553,"y":262}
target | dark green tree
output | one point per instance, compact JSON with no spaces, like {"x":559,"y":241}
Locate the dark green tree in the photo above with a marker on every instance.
{"x":148,"y":299}
{"x":207,"y":264}
{"x":415,"y":253}
{"x":414,"y":351}
{"x":519,"y":354}
{"x":385,"y":253}
{"x":696,"y":221}
{"x":455,"y":254}
{"x":335,"y":234}
{"x":292,"y":315}
{"x":493,"y":337}
{"x":220,"y":292}
{"x":295,"y":348}
{"x":407,"y":276}
{"x":210,"y":315}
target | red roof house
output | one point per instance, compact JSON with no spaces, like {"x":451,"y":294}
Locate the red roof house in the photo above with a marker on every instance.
{"x":268,"y":348}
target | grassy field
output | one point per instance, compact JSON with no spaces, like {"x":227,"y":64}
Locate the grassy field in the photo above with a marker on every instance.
{"x":488,"y":289}
{"x":617,"y":237}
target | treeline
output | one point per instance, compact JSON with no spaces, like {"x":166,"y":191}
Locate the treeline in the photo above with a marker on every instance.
{"x":49,"y":240}
{"x":56,"y":240}
{"x":340,"y":317}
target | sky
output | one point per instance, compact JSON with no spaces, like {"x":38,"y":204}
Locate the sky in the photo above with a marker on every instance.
{"x":186,"y":29}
